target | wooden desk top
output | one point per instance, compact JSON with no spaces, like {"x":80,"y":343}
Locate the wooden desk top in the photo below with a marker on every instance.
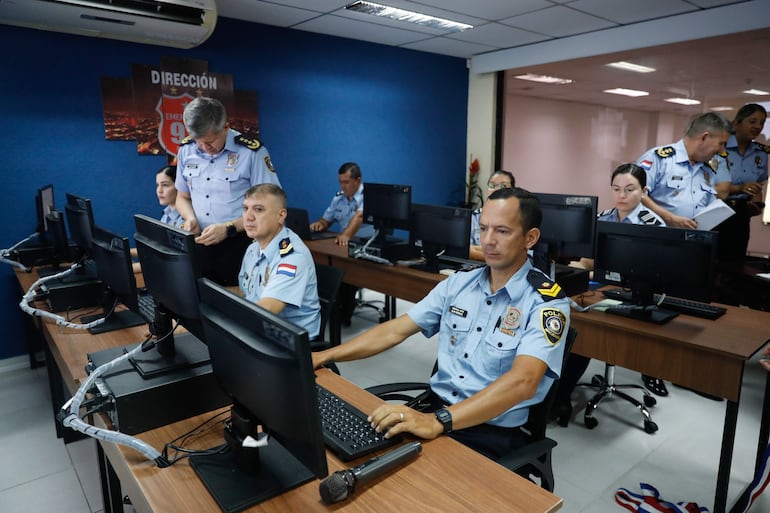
{"x":445,"y":477}
{"x":397,"y":281}
{"x":707,"y":355}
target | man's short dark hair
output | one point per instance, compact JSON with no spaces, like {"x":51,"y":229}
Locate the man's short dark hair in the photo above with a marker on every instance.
{"x":529,"y":205}
{"x":267,"y":188}
{"x":355,"y":171}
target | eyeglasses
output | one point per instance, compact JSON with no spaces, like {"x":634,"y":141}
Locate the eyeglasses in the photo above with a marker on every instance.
{"x":495,"y":186}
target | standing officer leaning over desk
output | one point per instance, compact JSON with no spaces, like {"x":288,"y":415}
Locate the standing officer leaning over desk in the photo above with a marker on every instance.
{"x":681,"y":180}
{"x":278,"y":272}
{"x":212,"y":176}
{"x":501,"y":337}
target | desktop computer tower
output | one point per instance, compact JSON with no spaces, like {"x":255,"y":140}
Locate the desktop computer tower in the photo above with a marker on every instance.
{"x":139,"y":404}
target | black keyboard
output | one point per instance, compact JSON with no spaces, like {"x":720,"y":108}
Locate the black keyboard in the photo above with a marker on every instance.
{"x":345,"y":428}
{"x":460,"y":264}
{"x":684,"y":306}
{"x":146,"y":306}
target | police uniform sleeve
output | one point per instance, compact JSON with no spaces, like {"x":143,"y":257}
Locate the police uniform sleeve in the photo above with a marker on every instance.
{"x":428,"y":311}
{"x":329,"y":214}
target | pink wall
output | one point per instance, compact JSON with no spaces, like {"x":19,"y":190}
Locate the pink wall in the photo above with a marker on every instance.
{"x":568,"y":147}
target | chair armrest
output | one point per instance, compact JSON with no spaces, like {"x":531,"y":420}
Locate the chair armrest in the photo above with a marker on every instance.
{"x":391,"y":388}
{"x":527,"y":454}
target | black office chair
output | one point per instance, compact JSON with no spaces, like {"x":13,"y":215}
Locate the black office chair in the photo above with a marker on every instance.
{"x":607,"y":387}
{"x":329,"y":281}
{"x":533,"y":459}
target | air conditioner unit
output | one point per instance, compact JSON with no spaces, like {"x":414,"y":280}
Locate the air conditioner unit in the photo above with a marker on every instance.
{"x":176,"y":23}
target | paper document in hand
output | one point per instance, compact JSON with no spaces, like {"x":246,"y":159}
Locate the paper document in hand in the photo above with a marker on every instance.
{"x":716,"y":212}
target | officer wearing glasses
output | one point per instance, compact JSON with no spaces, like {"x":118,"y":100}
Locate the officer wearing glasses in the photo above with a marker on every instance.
{"x":499,"y":180}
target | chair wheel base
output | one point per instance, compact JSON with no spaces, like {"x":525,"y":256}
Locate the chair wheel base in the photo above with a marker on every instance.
{"x":650,"y":400}
{"x":590,"y":422}
{"x":650,"y":427}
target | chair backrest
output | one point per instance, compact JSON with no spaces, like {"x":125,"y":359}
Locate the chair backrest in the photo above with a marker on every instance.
{"x":539,"y":413}
{"x":329,"y":281}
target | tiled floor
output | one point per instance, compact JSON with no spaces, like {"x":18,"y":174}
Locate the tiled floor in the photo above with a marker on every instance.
{"x":38,"y":474}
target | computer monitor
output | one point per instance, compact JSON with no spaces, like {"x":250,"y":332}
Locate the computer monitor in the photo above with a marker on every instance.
{"x":80,"y":218}
{"x":263,"y":363}
{"x":568,"y":228}
{"x":387,"y":207}
{"x":44,"y":203}
{"x":170,"y":267}
{"x":654,"y":259}
{"x":111,"y":254}
{"x":439,"y":230}
{"x":56,"y":237}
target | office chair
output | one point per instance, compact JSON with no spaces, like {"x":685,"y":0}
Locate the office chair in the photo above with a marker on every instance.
{"x":385,"y":309}
{"x":329,"y":280}
{"x":531,"y":459}
{"x":607,"y":387}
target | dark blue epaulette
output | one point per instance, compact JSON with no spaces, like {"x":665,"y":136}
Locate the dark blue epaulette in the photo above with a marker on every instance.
{"x":763,"y":147}
{"x":549,"y":290}
{"x":251,"y":143}
{"x":477,"y":211}
{"x":285,"y":247}
{"x":665,"y":152}
{"x":606,"y":212}
{"x":186,"y":140}
{"x":647,"y":217}
{"x":339,"y":193}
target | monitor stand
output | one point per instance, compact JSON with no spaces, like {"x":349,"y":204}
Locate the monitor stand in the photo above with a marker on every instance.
{"x":235,"y":489}
{"x":189,"y":351}
{"x":653,"y":314}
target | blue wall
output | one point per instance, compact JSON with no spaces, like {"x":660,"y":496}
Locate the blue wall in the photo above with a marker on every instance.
{"x":323,"y":100}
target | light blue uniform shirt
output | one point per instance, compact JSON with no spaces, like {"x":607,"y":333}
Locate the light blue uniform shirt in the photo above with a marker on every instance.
{"x":284,"y":271}
{"x":217,"y":184}
{"x":675,"y":184}
{"x":639,"y":215}
{"x":171,"y":216}
{"x":481,"y":333}
{"x":341,"y":210}
{"x":751,"y":167}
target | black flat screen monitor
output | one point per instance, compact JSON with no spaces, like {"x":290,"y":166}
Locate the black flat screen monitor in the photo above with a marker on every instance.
{"x":112,"y":261}
{"x":44,"y":203}
{"x":568,"y":228}
{"x":439,"y":230}
{"x":263,"y":363}
{"x":652,"y":260}
{"x":169,"y":259}
{"x":80,"y":218}
{"x":387,"y":207}
{"x":56,"y":237}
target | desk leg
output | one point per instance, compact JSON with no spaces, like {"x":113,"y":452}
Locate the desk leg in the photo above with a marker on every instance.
{"x":111,"y":493}
{"x":390,"y":307}
{"x":764,"y":436}
{"x":726,"y":456}
{"x":58,"y":396}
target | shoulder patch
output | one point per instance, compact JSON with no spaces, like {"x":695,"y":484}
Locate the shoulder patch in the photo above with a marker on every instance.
{"x":552,"y":322}
{"x":251,"y":143}
{"x":186,"y":140}
{"x":605,"y":212}
{"x":269,"y":164}
{"x":647,"y":217}
{"x":285,"y":248}
{"x":665,"y":152}
{"x":548,"y":290}
{"x":763,"y":147}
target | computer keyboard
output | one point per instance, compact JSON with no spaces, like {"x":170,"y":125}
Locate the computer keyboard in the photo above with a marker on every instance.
{"x":684,"y":306}
{"x":146,"y":306}
{"x":460,"y":264}
{"x":345,"y":428}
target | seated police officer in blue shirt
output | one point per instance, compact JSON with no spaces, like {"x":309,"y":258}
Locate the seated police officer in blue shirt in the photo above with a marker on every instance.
{"x":347,"y":207}
{"x":278,"y":272}
{"x":501,"y":337}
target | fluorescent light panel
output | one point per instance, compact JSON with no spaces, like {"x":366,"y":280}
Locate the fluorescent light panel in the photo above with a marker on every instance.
{"x":544,"y":79}
{"x":721,"y":108}
{"x":757,"y":92}
{"x":626,"y":92}
{"x":407,"y":16}
{"x":683,"y":101}
{"x":629,"y":66}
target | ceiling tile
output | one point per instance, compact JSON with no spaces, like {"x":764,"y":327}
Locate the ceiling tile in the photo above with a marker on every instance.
{"x":497,"y":35}
{"x":558,"y":21}
{"x":631,"y":11}
{"x":346,"y":27}
{"x":487,"y":9}
{"x":446,"y":46}
{"x":264,"y":12}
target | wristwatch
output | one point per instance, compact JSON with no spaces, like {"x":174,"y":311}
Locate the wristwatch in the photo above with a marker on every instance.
{"x":445,"y":418}
{"x":232,"y":231}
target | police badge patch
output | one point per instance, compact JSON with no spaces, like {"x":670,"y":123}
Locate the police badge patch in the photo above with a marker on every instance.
{"x":552,"y":322}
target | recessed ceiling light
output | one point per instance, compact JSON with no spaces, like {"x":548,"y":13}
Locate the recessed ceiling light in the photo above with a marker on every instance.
{"x":545,"y":79}
{"x":757,"y":92}
{"x":721,"y":108}
{"x":629,"y":66}
{"x":408,"y":16}
{"x":683,"y":101}
{"x":626,"y":92}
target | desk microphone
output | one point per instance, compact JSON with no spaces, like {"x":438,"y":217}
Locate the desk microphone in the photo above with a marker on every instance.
{"x":341,"y":484}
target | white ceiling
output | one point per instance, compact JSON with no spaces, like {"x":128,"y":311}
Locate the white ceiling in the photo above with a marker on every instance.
{"x":713,"y":70}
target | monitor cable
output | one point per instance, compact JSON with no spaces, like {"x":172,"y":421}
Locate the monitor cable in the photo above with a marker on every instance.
{"x":7,"y":254}
{"x":31,"y":295}
{"x":362,"y":253}
{"x":69,"y":413}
